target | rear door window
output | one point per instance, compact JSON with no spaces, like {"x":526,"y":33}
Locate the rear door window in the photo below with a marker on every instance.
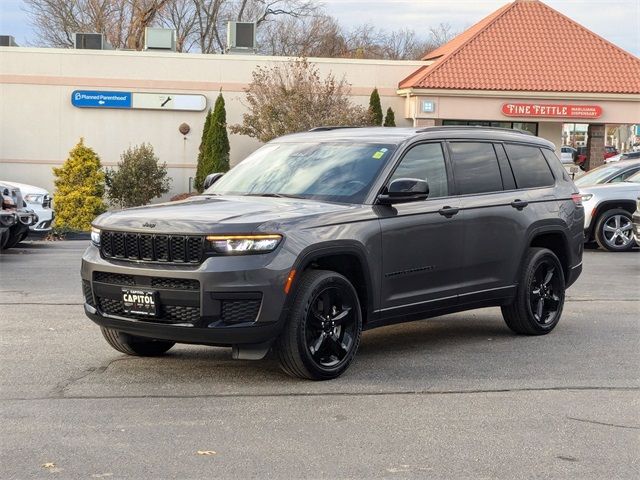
{"x":529,"y":166}
{"x":475,"y":167}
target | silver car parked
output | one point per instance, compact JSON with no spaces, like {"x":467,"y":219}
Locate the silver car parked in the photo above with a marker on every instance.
{"x":608,"y":210}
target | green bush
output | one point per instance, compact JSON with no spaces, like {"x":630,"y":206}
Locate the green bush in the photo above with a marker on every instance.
{"x":79,"y":189}
{"x":375,"y":109}
{"x":390,"y":119}
{"x":203,"y":153}
{"x":213,"y":155}
{"x":138,"y":179}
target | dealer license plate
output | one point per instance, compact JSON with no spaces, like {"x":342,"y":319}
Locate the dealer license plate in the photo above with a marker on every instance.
{"x":140,"y":302}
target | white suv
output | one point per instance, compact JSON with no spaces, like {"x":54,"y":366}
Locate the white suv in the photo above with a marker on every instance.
{"x":608,"y":209}
{"x":39,"y":200}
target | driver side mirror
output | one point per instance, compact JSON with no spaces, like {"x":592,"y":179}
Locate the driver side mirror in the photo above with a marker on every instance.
{"x":211,"y":179}
{"x":402,"y":190}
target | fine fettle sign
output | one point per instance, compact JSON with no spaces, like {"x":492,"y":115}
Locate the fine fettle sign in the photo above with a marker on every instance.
{"x":551,"y":110}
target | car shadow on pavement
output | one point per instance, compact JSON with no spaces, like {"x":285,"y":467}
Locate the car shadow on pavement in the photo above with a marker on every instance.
{"x":406,"y":351}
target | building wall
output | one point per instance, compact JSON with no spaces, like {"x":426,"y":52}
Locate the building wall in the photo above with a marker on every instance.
{"x":455,"y":105}
{"x":38,"y":124}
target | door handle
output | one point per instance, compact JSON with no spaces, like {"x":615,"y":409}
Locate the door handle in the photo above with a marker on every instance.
{"x":519,"y":204}
{"x":448,"y":211}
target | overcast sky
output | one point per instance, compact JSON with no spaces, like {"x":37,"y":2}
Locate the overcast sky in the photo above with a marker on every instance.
{"x":616,"y":20}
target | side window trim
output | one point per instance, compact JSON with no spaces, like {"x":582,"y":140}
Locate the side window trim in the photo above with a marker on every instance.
{"x":508,"y":177}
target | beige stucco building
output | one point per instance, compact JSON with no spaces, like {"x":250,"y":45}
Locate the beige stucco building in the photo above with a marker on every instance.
{"x":39,"y":124}
{"x":524,"y":66}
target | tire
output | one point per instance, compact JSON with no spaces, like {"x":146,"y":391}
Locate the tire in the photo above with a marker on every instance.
{"x":614,"y":230}
{"x":133,"y":345}
{"x":4,"y":237}
{"x":323,"y":329}
{"x":17,"y":233}
{"x":534,"y":286}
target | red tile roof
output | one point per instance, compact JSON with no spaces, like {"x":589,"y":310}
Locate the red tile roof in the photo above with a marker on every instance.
{"x":528,"y":46}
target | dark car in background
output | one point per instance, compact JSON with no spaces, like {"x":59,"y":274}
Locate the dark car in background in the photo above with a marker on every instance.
{"x":318,"y":236}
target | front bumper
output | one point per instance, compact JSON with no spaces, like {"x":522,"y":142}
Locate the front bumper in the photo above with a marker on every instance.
{"x":45,"y":218}
{"x":223,"y":301}
{"x":221,"y":336}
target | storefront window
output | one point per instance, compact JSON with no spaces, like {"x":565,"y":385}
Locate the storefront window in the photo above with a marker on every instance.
{"x":528,"y":126}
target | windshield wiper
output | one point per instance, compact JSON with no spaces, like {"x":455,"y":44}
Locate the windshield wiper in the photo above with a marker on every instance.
{"x":274,"y":195}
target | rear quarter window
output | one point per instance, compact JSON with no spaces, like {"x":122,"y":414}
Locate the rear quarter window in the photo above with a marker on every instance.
{"x":529,"y":166}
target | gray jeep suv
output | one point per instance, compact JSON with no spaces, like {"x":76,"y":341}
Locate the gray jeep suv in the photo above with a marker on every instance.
{"x":318,"y":236}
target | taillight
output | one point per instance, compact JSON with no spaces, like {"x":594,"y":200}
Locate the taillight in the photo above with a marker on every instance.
{"x":577,"y":199}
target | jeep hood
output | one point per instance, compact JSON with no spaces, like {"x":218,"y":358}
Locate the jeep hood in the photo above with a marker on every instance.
{"x":215,"y":214}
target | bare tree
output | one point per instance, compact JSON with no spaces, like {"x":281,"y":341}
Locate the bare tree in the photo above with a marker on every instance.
{"x":441,"y":34}
{"x":285,"y":27}
{"x":315,"y":36}
{"x":404,"y":44}
{"x":212,"y":17}
{"x":122,"y":21}
{"x":180,"y":15}
{"x":292,"y":97}
{"x":199,"y":24}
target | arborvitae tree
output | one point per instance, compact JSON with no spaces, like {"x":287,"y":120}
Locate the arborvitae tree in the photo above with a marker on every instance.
{"x":79,"y":190}
{"x":375,"y":109}
{"x":202,"y":154}
{"x":390,"y":119}
{"x":218,"y":139}
{"x":139,"y":178}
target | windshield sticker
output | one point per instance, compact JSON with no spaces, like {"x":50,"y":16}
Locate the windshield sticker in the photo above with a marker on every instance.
{"x":379,"y":154}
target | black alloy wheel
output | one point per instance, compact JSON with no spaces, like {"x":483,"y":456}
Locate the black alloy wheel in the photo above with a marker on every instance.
{"x":545,"y":291}
{"x":331,"y":326}
{"x":322,"y":333}
{"x":537,"y":305}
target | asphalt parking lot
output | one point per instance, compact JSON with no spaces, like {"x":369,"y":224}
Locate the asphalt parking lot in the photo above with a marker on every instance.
{"x":453,"y":397}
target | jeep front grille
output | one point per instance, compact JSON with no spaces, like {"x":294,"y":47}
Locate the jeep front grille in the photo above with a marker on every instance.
{"x":149,"y":247}
{"x":168,"y":313}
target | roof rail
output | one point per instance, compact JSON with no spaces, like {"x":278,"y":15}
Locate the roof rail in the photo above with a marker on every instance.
{"x":473,"y":127}
{"x":328,"y":127}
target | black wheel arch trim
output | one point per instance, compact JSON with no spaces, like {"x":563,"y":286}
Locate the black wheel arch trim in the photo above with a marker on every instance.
{"x":555,"y":227}
{"x":325,"y":249}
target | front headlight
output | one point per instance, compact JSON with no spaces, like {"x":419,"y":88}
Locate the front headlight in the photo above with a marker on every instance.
{"x":243,"y":244}
{"x":34,"y":198}
{"x":586,"y":197}
{"x":95,"y":236}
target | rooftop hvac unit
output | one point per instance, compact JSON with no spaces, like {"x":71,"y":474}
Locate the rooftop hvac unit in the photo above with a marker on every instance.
{"x":88,"y":41}
{"x":7,"y":41}
{"x":159,"y":39}
{"x":241,"y":37}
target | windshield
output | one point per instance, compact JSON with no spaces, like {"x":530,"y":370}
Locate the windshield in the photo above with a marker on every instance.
{"x":598,"y":175}
{"x":635,"y":178}
{"x":335,"y":172}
